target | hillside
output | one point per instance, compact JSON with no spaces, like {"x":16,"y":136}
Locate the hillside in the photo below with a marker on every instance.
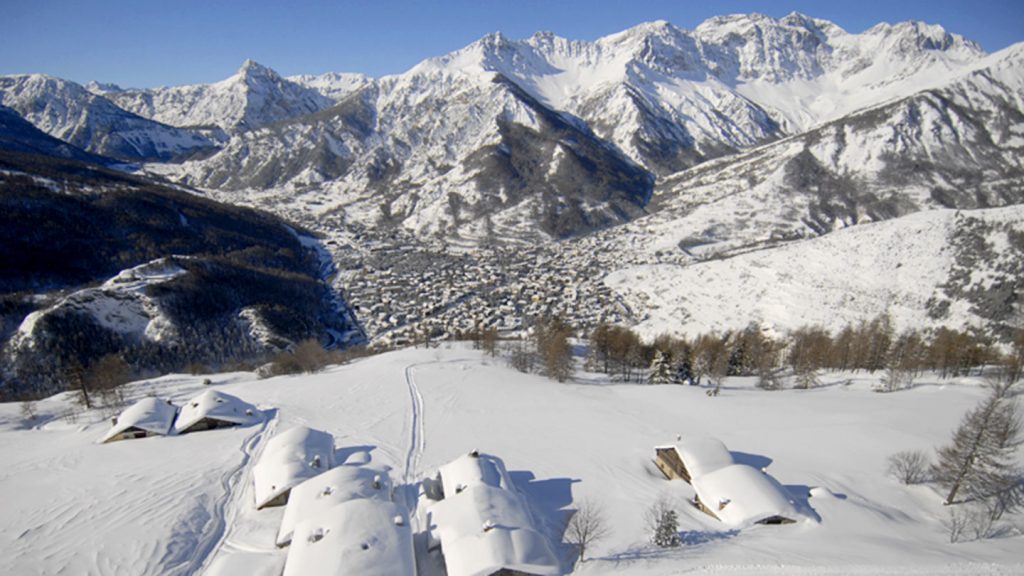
{"x":182,"y":504}
{"x":930,"y":269}
{"x":97,"y":262}
{"x":18,"y":135}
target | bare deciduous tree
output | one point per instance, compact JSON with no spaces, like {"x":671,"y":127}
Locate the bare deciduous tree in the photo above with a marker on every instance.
{"x":956,"y":524}
{"x":77,"y":381}
{"x":806,"y":377}
{"x":489,"y":341}
{"x":586,"y":527}
{"x":1015,"y":360}
{"x":520,"y":357}
{"x":307,"y":356}
{"x":711,"y":358}
{"x":552,"y":340}
{"x":909,"y":466}
{"x":28,"y":410}
{"x":105,"y":376}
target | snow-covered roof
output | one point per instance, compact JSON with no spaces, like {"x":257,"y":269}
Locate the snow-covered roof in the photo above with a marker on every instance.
{"x":289,"y":458}
{"x":363,"y":537}
{"x":740,"y":495}
{"x":520,"y":549}
{"x":218,"y":406}
{"x":702,"y":455}
{"x":473,"y":469}
{"x":333,"y":487}
{"x":149,"y":414}
{"x":483,"y":529}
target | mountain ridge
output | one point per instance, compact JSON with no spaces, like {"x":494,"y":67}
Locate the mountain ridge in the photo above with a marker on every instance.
{"x":665,"y":98}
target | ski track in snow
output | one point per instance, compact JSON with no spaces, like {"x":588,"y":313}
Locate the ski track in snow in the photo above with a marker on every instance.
{"x":417,"y":440}
{"x":226,"y":509}
{"x":417,"y":427}
{"x":417,"y":437}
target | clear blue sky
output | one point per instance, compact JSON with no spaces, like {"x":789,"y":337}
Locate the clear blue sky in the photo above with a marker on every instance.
{"x":145,"y":43}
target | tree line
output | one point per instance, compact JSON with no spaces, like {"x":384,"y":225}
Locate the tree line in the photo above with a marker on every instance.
{"x":797,"y":357}
{"x":869,"y":346}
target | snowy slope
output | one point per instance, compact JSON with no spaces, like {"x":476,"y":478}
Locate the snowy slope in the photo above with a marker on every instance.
{"x":182,"y":504}
{"x":907,"y":267}
{"x":69,"y":112}
{"x":121,"y":305}
{"x":254,"y":96}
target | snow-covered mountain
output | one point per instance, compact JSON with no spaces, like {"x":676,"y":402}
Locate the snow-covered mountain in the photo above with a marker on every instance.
{"x":69,"y":112}
{"x":418,"y":148}
{"x":760,"y":236}
{"x":805,"y":71}
{"x":254,"y":96}
{"x":18,"y":135}
{"x":441,"y":151}
{"x":960,"y":145}
{"x":671,"y":98}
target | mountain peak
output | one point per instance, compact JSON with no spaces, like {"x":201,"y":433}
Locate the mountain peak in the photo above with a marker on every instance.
{"x":251,"y":69}
{"x":102,"y":87}
{"x":742,"y":23}
{"x":495,"y":39}
{"x":917,"y":35}
{"x":648,"y":29}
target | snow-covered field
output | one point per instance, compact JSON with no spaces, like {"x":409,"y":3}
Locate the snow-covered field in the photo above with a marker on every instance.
{"x":183,"y":504}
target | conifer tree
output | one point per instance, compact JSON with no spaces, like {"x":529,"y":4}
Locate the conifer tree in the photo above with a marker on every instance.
{"x":661,"y":369}
{"x":980,"y":461}
{"x":666,"y":535}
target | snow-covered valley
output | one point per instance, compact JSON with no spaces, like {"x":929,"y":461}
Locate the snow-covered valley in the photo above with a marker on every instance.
{"x":183,"y":504}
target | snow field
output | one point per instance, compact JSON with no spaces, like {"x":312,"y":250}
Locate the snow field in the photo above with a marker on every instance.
{"x":184,"y":505}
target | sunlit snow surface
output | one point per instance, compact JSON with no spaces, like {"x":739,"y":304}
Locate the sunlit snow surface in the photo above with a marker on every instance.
{"x":184,"y":504}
